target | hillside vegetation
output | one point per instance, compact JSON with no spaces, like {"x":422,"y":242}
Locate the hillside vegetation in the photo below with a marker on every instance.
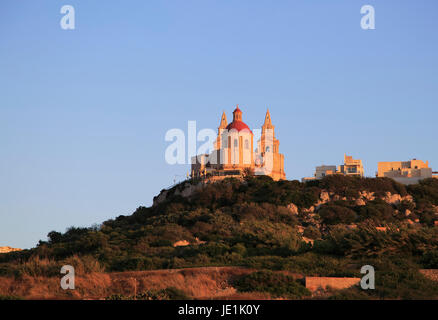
{"x":329,"y":227}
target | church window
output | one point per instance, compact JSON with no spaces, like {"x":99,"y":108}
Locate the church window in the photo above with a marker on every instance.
{"x":246,"y":144}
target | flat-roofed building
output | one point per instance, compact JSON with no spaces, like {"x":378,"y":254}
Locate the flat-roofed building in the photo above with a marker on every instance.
{"x":351,"y":167}
{"x":406,"y":172}
{"x":322,"y":171}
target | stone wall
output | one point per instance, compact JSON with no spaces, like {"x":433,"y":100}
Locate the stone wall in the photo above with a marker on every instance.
{"x":315,"y":283}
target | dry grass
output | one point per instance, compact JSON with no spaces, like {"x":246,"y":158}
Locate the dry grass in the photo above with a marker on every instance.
{"x":36,"y":266}
{"x":199,"y":283}
{"x":196,"y":282}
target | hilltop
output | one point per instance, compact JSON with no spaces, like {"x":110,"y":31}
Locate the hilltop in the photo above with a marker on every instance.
{"x":328,"y":227}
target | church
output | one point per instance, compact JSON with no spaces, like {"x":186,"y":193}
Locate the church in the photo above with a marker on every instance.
{"x":233,"y":154}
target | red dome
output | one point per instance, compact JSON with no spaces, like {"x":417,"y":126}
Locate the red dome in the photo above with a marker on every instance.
{"x":238,"y":125}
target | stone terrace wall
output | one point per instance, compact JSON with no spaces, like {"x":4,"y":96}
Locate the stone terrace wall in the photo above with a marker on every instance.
{"x":315,"y":283}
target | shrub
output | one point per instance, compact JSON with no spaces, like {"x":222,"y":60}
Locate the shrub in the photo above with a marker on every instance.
{"x":239,"y":248}
{"x":369,"y":242}
{"x":334,"y":214}
{"x":426,"y":190}
{"x":9,"y":297}
{"x":312,"y":233}
{"x":430,"y":259}
{"x":378,"y":210}
{"x":170,"y":293}
{"x":265,"y":262}
{"x":37,"y":266}
{"x":396,"y":278}
{"x":350,"y":186}
{"x":84,"y":264}
{"x":277,"y":284}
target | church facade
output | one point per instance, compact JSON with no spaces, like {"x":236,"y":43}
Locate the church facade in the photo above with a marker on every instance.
{"x":234,"y":155}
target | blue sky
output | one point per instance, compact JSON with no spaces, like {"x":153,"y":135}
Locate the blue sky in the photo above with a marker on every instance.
{"x":83,"y":112}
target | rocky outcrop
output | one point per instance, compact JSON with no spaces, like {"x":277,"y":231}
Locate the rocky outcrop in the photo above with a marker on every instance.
{"x":161,"y":197}
{"x":338,"y":197}
{"x":309,"y":210}
{"x":324,"y":196}
{"x":188,"y":189}
{"x":361,"y":200}
{"x":181,"y":243}
{"x":185,"y":190}
{"x":396,"y":198}
{"x":366,"y":195}
{"x":308,"y":240}
{"x":184,"y":243}
{"x":8,"y":249}
{"x":292,"y":208}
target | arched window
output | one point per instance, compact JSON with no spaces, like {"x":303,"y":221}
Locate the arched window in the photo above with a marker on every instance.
{"x":267,"y":149}
{"x":246,"y":144}
{"x":235,"y":143}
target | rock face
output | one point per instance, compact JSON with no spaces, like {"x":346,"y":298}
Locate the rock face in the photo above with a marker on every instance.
{"x":396,"y":198}
{"x":361,"y":200}
{"x":292,"y":208}
{"x":181,"y":243}
{"x":308,"y":240}
{"x":309,"y":210}
{"x":185,"y":190}
{"x":161,"y":197}
{"x":325,"y":196}
{"x":369,"y":196}
{"x":8,"y":249}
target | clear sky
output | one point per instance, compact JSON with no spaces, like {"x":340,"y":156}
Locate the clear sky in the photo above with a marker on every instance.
{"x":83,"y":112}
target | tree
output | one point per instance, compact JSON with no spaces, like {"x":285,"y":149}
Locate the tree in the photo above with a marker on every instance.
{"x":334,"y":214}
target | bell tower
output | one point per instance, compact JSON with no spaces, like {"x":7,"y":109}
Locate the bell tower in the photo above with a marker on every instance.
{"x":222,"y":126}
{"x":268,"y":142}
{"x":268,"y":149}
